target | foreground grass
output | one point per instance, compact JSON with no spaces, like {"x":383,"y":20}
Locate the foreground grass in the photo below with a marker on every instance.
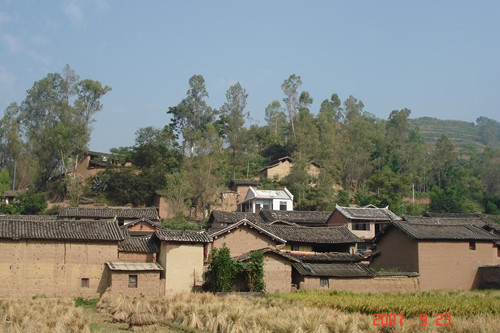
{"x":459,"y":303}
{"x":281,"y":313}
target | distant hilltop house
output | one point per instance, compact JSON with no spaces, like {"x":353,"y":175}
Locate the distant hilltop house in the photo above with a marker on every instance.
{"x":282,"y":167}
{"x":365,"y":222}
{"x":256,"y":200}
{"x":9,"y":196}
{"x":95,"y":162}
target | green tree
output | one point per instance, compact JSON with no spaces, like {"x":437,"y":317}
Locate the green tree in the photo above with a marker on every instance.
{"x":290,"y":88}
{"x":56,"y":118}
{"x":233,"y":114}
{"x":4,"y":181}
{"x":30,"y":203}
{"x":276,"y":121}
{"x":447,"y":200}
{"x":192,"y":115}
{"x":221,"y":270}
{"x":443,"y":162}
{"x":255,"y":272}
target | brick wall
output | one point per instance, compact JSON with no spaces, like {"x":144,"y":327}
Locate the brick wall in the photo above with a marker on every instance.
{"x":148,"y":283}
{"x":50,"y":268}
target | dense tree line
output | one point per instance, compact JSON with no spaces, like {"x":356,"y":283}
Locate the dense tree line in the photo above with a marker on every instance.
{"x":363,"y":159}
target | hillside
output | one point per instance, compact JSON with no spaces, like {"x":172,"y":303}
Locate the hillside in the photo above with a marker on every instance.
{"x":464,"y":135}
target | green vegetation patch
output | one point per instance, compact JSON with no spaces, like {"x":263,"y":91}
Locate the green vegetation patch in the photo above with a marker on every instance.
{"x":456,"y":303}
{"x":87,"y":303}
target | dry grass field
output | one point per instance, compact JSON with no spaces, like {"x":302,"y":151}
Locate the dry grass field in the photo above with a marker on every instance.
{"x":294,"y":312}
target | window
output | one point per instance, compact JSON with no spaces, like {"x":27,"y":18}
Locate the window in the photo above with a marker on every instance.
{"x":498,"y":251}
{"x":257,"y":208}
{"x":85,"y":283}
{"x":360,"y":226}
{"x":132,"y":281}
{"x":267,"y":207}
{"x":324,"y":282}
{"x":282,"y":205}
{"x":295,"y":247}
{"x":472,"y":245}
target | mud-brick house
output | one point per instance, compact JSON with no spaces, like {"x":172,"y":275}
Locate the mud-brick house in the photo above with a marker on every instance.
{"x":182,"y":255}
{"x":95,"y":162}
{"x":241,"y":186}
{"x":319,"y":239}
{"x":135,"y":278}
{"x":277,"y":268}
{"x":365,"y":222}
{"x":138,"y":249}
{"x":56,"y":258}
{"x":256,"y":200}
{"x":244,"y":236}
{"x":122,"y":215}
{"x":282,"y":167}
{"x":446,"y":256}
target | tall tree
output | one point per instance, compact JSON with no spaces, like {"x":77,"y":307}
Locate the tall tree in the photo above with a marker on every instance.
{"x":56,"y":118}
{"x":276,"y":119}
{"x":192,"y":115}
{"x":291,"y":89}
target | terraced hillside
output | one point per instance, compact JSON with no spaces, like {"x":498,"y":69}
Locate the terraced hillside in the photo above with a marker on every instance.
{"x":465,"y":136}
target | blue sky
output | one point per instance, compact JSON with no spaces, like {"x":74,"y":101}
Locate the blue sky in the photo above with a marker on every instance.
{"x":437,"y":58}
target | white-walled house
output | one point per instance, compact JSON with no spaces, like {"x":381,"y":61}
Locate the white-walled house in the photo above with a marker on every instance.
{"x":257,"y":200}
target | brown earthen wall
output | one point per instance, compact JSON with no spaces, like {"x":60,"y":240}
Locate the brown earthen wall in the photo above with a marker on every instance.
{"x":49,"y":268}
{"x":397,"y":251}
{"x":141,"y":227}
{"x":277,"y":274}
{"x":279,"y":171}
{"x":337,"y":219}
{"x":136,"y":257}
{"x":378,"y":284}
{"x":243,"y":240}
{"x":183,"y":265}
{"x":452,"y":265}
{"x":148,"y":283}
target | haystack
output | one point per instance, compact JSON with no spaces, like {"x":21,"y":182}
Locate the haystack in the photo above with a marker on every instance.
{"x":142,"y":318}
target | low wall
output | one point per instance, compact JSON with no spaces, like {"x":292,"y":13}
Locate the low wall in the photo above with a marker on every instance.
{"x":376,"y":284}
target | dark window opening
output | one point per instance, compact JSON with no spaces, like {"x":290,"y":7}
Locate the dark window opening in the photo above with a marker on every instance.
{"x":85,"y":282}
{"x":360,"y":226}
{"x":472,"y":245}
{"x":257,"y":208}
{"x":498,"y":251}
{"x":267,"y":207}
{"x":282,"y":205}
{"x":324,"y":282}
{"x":295,"y":247}
{"x":132,"y":281}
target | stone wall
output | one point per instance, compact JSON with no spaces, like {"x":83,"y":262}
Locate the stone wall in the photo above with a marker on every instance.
{"x":54,"y":268}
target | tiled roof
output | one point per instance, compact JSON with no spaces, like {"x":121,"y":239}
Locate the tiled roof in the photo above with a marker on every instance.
{"x":318,"y":235}
{"x":219,"y":218}
{"x":139,"y":245}
{"x":143,"y":220}
{"x":249,"y":182}
{"x":61,"y":230}
{"x":369,"y":213}
{"x":130,"y":213}
{"x":217,"y":232}
{"x":326,"y":257}
{"x":182,"y":236}
{"x":306,"y":218}
{"x":333,"y":270}
{"x":247,"y":256}
{"x":477,"y":219}
{"x":29,"y":217}
{"x":433,"y":231}
{"x":134,"y":266}
{"x":10,"y":194}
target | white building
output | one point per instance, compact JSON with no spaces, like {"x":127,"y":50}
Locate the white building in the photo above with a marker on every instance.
{"x":257,"y":200}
